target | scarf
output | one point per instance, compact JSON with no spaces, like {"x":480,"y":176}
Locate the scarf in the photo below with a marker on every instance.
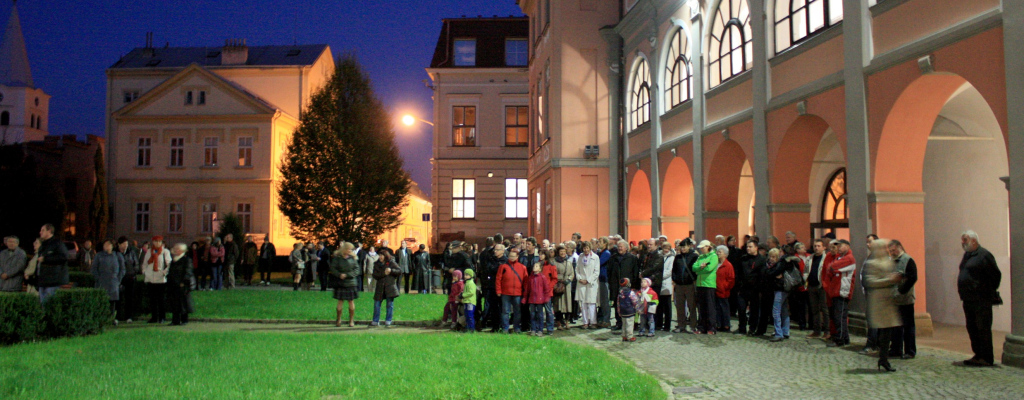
{"x":156,"y":252}
{"x":560,"y":259}
{"x":372,"y":254}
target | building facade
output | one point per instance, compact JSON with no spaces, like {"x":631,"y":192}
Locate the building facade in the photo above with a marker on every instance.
{"x":739,"y":117}
{"x":24,"y":108}
{"x":481,"y":123}
{"x":415,"y":224}
{"x":198,"y":132}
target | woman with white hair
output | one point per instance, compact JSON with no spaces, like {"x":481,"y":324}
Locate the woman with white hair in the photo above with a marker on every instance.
{"x":179,"y":282}
{"x":588,"y":270}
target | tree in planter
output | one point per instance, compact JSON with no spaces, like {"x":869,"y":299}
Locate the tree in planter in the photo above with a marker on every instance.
{"x":230,"y":223}
{"x":99,"y":216}
{"x":343,"y":177}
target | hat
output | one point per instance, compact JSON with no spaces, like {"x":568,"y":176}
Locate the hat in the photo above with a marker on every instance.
{"x":624,"y":282}
{"x":456,"y":275}
{"x":647,"y":280}
{"x":844,"y":241}
{"x":469,"y":274}
{"x":704,"y":243}
{"x":158,"y":238}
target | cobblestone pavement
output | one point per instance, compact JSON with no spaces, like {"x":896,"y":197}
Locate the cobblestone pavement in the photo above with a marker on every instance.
{"x":739,"y":367}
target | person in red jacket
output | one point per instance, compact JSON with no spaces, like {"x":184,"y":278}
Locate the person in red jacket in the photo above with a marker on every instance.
{"x":833,"y":249}
{"x":840,"y":276}
{"x":549,"y":271}
{"x":536,"y":291}
{"x":725,"y":280}
{"x":509,"y":286}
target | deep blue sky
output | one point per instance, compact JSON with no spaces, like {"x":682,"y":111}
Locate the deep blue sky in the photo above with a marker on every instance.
{"x":71,"y":43}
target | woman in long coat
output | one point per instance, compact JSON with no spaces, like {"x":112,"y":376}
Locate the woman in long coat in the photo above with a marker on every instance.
{"x":883,"y":314}
{"x":368,"y":263}
{"x":588,"y":270}
{"x":386,"y":272}
{"x":565,"y":275}
{"x":108,"y":269}
{"x":344,"y":272}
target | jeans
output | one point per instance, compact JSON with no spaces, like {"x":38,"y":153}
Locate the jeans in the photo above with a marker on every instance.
{"x":840,"y":317}
{"x":470,"y":320}
{"x":724,"y":322}
{"x":156,"y":301}
{"x":537,"y":313}
{"x":46,"y":292}
{"x":510,"y":304}
{"x":780,"y":312}
{"x":646,"y":323}
{"x":819,"y":309}
{"x":549,"y":315}
{"x":979,"y":328}
{"x":685,"y":298}
{"x":904,"y":338}
{"x":390,"y":311}
{"x":218,"y":279}
{"x":603,"y":312}
{"x":706,"y":303}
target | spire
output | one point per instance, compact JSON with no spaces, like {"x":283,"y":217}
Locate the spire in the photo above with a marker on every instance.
{"x":14,"y":69}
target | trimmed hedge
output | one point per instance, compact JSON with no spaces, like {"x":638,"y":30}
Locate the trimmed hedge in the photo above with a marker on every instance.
{"x":81,"y":279}
{"x":21,"y":317}
{"x":77,"y":312}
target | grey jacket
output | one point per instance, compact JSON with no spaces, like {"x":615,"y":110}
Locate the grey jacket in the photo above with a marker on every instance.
{"x":108,"y":269}
{"x":12,"y":263}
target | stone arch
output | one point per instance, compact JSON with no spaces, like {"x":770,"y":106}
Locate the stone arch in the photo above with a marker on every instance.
{"x":677,"y":200}
{"x":639,"y":207}
{"x":723,"y":189}
{"x":791,"y":175}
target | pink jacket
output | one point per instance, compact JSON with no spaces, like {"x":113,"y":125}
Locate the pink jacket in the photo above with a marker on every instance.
{"x":217,"y":254}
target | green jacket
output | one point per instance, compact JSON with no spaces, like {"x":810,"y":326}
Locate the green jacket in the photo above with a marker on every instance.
{"x":348,"y":266}
{"x":707,"y":277}
{"x":469,"y":292}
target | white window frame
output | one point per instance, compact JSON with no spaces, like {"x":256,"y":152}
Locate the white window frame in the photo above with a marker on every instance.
{"x":210,"y":151}
{"x":463,"y":198}
{"x":144,"y":154}
{"x":208,"y":216}
{"x":177,"y":152}
{"x":142,"y":217}
{"x":517,"y":199}
{"x":245,"y":151}
{"x":244,"y":213}
{"x":175,"y":218}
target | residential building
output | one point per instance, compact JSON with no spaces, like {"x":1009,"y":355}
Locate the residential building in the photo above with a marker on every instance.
{"x":24,"y":108}
{"x":415,"y":223}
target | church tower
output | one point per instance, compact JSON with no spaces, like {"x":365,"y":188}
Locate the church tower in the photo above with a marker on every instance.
{"x":24,"y":109}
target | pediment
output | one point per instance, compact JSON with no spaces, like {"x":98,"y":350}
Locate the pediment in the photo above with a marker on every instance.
{"x":210,"y":95}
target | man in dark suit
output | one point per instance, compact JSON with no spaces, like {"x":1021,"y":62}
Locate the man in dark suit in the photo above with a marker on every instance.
{"x":623,"y":265}
{"x":403,"y":257}
{"x":977,"y":284}
{"x":267,"y":254}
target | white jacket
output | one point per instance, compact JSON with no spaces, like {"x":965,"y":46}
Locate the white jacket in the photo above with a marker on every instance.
{"x":162,"y":263}
{"x":589,"y":269}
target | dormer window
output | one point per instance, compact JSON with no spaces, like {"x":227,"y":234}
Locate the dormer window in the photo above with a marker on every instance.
{"x":465,"y":52}
{"x":130,"y":96}
{"x":197,"y":97}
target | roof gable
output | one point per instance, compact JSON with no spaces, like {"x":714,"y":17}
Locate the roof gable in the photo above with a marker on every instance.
{"x":222,"y":97}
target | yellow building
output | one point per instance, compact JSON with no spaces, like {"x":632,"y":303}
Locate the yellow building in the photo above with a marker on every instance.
{"x":414,"y":227}
{"x":197,"y":132}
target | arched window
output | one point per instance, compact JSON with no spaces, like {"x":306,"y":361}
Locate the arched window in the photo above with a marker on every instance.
{"x":833,"y":203}
{"x":797,"y":20}
{"x":640,"y":99}
{"x":731,"y":50}
{"x":678,"y":72}
{"x":5,"y":118}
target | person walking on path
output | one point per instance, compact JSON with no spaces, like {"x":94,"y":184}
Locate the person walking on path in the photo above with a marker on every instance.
{"x":386,"y":273}
{"x":880,"y":278}
{"x":343,"y":275}
{"x":978,"y":285}
{"x":108,"y":269}
{"x":13,"y":261}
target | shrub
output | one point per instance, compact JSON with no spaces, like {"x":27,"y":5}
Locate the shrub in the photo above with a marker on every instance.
{"x":77,"y":312}
{"x":21,"y":317}
{"x":82,"y":279}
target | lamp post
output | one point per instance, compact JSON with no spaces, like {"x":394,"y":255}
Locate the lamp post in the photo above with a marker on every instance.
{"x":409,"y":120}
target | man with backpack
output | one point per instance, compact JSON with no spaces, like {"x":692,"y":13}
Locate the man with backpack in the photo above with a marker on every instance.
{"x":684,"y":291}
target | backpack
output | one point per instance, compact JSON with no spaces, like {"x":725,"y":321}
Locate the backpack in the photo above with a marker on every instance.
{"x":626,"y":306}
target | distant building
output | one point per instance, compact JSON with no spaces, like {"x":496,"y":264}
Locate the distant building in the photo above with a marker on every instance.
{"x":24,"y":108}
{"x":415,"y":223}
{"x":69,"y":163}
{"x":481,"y":126}
{"x":199,"y":132}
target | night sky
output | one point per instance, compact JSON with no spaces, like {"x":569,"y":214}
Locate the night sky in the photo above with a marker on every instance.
{"x":72,"y":43}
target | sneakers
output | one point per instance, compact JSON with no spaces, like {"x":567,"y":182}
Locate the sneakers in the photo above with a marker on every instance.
{"x":776,"y":339}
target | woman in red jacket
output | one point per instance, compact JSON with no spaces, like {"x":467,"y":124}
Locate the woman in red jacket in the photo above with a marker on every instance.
{"x":725,"y":280}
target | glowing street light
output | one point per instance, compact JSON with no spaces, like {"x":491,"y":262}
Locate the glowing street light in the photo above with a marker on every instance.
{"x":410,"y":120}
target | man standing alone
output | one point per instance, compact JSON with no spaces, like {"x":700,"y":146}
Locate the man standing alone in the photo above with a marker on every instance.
{"x":977,"y":284}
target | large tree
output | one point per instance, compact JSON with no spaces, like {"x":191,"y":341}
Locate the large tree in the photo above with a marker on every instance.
{"x":342,"y":175}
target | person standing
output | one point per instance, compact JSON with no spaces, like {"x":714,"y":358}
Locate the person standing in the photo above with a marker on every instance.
{"x":563,"y":297}
{"x":250,"y":254}
{"x":488,"y":281}
{"x":369,"y":261}
{"x":817,"y":299}
{"x":51,"y":264}
{"x":725,"y":279}
{"x":108,"y":269}
{"x":266,"y":261}
{"x":623,"y":265}
{"x":780,"y":262}
{"x":587,"y":276}
{"x":344,"y":274}
{"x":297,"y":259}
{"x":509,"y":285}
{"x":323,"y":266}
{"x":421,"y":262}
{"x":880,"y":278}
{"x":131,"y":271}
{"x":85,"y":256}
{"x":403,"y":257}
{"x":904,"y":337}
{"x":751,"y":266}
{"x":12,"y":265}
{"x":386,"y":273}
{"x":154,"y":269}
{"x":231,"y":256}
{"x":684,"y":291}
{"x":978,"y":284}
{"x":179,"y":284}
{"x":204,"y":267}
{"x":216,"y":255}
{"x":838,"y":281}
{"x":706,"y":268}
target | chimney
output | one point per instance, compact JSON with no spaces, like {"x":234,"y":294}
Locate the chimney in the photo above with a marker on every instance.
{"x":235,"y":52}
{"x":148,"y":51}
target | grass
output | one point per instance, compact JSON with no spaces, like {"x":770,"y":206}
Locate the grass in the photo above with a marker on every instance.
{"x":161,"y":364}
{"x":308,"y":305}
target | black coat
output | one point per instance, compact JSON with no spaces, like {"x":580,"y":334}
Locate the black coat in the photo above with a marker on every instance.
{"x":655,"y":269}
{"x":753,"y":274}
{"x":53,"y":271}
{"x":682,"y":269}
{"x":979,"y":277}
{"x":387,"y":284}
{"x":624,"y":266}
{"x":180,"y":272}
{"x":772,"y":280}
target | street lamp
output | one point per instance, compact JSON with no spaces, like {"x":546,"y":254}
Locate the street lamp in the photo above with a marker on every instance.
{"x":409,"y":120}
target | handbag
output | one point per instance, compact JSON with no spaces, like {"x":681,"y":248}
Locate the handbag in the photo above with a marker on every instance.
{"x":791,"y":279}
{"x":559,"y":288}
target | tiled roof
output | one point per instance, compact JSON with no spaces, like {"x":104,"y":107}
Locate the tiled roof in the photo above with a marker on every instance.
{"x":177,"y":57}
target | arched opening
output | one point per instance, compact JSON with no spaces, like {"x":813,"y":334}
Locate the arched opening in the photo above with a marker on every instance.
{"x":730,"y":192}
{"x":639,"y":207}
{"x":791,"y":175}
{"x":640,"y":95}
{"x":824,"y":177}
{"x":678,"y":71}
{"x":937,"y":172}
{"x":730,"y":42}
{"x":745,"y":201}
{"x":677,"y":200}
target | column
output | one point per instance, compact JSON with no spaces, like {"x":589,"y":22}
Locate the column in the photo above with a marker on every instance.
{"x":616,"y":152}
{"x":761,"y":73}
{"x":657,"y":106}
{"x":856,"y":55}
{"x":696,"y":43}
{"x":1013,"y":48}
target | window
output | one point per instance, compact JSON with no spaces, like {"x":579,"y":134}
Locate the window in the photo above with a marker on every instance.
{"x":210,"y":151}
{"x":731,"y":51}
{"x":517,"y":120}
{"x":70,"y":226}
{"x":177,"y":152}
{"x":202,"y":98}
{"x":244,"y":213}
{"x":640,"y":98}
{"x":188,"y":98}
{"x":245,"y":151}
{"x":797,"y":20}
{"x":465,"y":52}
{"x":145,"y":147}
{"x":130,"y":96}
{"x":517,"y":52}
{"x":517,"y":201}
{"x":209,"y":216}
{"x":539,"y":130}
{"x":833,"y":205}
{"x":175,"y":217}
{"x":464,"y":126}
{"x":141,"y":217}
{"x":463,"y":198}
{"x":679,"y":73}
{"x":5,"y":118}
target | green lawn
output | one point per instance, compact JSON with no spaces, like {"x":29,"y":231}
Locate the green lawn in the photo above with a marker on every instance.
{"x":309,"y":305}
{"x":160,"y":364}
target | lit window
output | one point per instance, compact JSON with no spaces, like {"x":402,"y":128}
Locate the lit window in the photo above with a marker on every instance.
{"x":797,"y":20}
{"x":517,"y":119}
{"x":833,"y":207}
{"x":244,"y":212}
{"x":209,"y":216}
{"x":177,"y":152}
{"x":517,"y":52}
{"x":731,"y":51}
{"x":130,"y":96}
{"x":679,"y":73}
{"x":640,"y":99}
{"x":175,"y":217}
{"x":465,"y":52}
{"x":245,"y":151}
{"x":464,"y":126}
{"x":210,"y":151}
{"x":141,"y":217}
{"x":463,"y":198}
{"x":70,"y":226}
{"x":145,"y":148}
{"x":516,"y":199}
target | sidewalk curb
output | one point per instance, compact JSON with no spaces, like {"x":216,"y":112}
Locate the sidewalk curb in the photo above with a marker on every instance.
{"x":415,"y":324}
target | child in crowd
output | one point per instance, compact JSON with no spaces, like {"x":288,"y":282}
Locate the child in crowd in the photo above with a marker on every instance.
{"x":454,"y":295}
{"x":469,"y":300}
{"x":535,"y":293}
{"x":648,"y":307}
{"x":627,"y":302}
